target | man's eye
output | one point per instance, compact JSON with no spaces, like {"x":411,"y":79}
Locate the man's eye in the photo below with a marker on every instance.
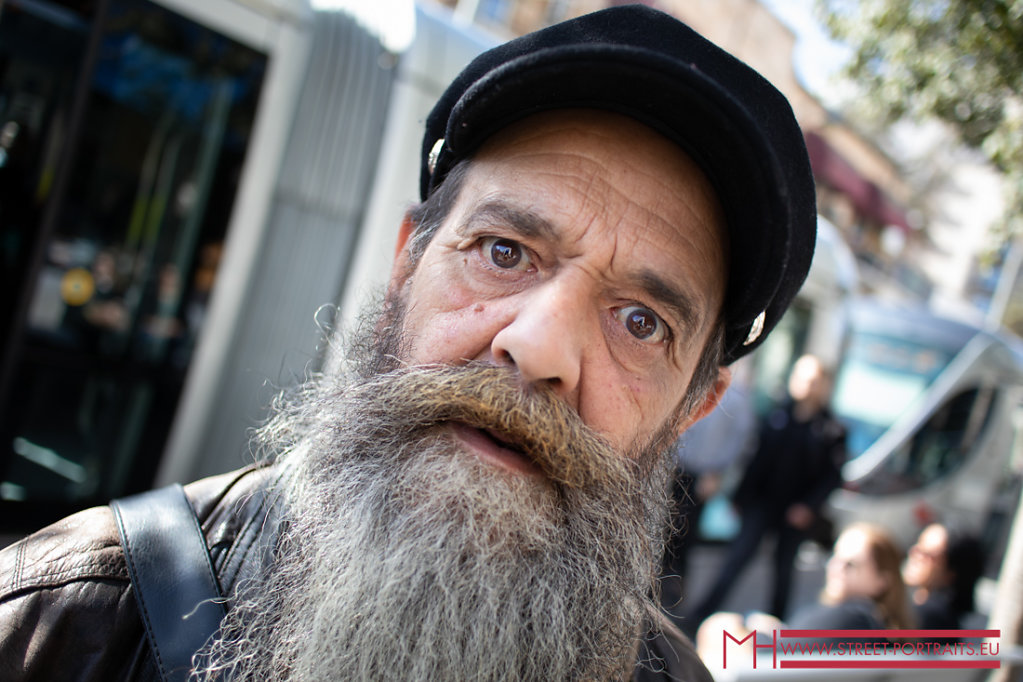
{"x":642,"y":323}
{"x":505,"y":253}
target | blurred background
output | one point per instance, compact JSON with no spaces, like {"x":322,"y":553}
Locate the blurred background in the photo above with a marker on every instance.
{"x":195,"y":194}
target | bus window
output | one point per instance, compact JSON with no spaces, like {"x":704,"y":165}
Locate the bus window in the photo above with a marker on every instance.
{"x":126,"y":246}
{"x":936,"y":450}
{"x":878,"y":381}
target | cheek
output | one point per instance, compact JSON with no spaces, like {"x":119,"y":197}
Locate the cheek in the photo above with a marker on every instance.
{"x":447,"y":318}
{"x":662,"y":387}
{"x":627,"y":408}
{"x":875,"y":585}
{"x":446,"y":336}
{"x":834,"y":578}
{"x":447,"y":324}
{"x":866,"y":584}
{"x":660,"y":395}
{"x":607,"y":403}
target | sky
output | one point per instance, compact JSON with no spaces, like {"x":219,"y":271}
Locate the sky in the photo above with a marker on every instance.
{"x":816,"y":58}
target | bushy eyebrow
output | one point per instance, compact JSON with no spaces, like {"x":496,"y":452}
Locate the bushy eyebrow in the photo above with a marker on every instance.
{"x":525,"y":223}
{"x":530,"y":225}
{"x":670,"y":297}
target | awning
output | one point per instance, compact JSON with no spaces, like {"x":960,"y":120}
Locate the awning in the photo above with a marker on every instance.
{"x":832,"y":170}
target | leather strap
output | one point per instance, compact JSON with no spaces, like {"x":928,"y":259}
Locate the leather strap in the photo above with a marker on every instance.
{"x":172,"y":576}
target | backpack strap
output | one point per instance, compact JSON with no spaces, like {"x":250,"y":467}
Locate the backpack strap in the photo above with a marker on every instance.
{"x":171,"y":575}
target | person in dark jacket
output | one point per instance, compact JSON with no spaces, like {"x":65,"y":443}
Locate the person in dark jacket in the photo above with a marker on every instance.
{"x":614,"y":210}
{"x":796,"y":465}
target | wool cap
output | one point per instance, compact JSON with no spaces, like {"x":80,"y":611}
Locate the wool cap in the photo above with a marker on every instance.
{"x":649,"y":66}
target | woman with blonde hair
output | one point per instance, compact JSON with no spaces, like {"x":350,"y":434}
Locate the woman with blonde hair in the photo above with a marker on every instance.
{"x":863,"y":588}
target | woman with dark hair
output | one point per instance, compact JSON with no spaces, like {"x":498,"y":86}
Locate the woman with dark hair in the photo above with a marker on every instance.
{"x":941,"y":572}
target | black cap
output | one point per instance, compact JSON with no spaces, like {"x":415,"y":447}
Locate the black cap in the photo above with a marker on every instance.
{"x":653,"y":68}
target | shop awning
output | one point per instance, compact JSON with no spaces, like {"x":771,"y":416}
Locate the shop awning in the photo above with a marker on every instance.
{"x":832,"y":170}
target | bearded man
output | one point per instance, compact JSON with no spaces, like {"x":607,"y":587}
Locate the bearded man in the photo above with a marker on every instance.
{"x":614,"y":210}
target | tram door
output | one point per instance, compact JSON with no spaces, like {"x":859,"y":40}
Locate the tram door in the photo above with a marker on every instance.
{"x":123,"y":129}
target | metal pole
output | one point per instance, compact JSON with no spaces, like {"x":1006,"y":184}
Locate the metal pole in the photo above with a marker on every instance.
{"x":1006,"y":285}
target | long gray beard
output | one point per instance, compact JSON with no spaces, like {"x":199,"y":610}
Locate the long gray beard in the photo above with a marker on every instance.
{"x":404,"y":557}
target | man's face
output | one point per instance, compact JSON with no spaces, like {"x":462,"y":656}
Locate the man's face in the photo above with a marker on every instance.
{"x":809,"y":382}
{"x":585,"y":250}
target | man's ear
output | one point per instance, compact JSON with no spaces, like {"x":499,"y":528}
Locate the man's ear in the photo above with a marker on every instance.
{"x":402,"y":262}
{"x":710,"y":400}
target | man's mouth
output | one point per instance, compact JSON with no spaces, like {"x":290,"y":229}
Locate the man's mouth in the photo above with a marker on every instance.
{"x":495,"y":449}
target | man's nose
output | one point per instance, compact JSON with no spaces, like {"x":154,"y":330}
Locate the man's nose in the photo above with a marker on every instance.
{"x":545,"y":339}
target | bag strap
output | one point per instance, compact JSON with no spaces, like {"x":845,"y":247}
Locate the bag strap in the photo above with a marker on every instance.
{"x":170,"y":569}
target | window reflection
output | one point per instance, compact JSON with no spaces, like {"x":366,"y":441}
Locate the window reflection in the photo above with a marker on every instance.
{"x":939,"y":448}
{"x":880,"y":379}
{"x":117,"y":296}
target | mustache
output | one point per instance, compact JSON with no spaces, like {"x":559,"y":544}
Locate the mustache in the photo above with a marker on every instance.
{"x":532,"y":420}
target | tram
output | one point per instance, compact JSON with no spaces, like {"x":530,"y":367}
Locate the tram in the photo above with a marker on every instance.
{"x":183,"y":183}
{"x":932,"y":404}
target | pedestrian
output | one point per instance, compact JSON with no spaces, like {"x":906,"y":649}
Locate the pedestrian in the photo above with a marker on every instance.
{"x":942,"y":570}
{"x":863,"y":590}
{"x":796,"y":465}
{"x":702,"y":456}
{"x":863,"y":587}
{"x":614,"y":209}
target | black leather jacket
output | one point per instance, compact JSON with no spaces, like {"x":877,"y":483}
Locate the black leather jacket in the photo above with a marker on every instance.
{"x":67,"y":610}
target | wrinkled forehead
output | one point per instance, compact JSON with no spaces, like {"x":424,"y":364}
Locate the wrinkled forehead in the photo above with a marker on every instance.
{"x":618,"y":145}
{"x":608,"y":168}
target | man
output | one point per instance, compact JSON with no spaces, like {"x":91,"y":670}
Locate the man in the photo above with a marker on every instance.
{"x":614,"y":210}
{"x":796,"y":466}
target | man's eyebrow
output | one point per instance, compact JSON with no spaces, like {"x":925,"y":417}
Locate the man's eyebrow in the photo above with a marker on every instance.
{"x":525,"y":223}
{"x":676,"y":300}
